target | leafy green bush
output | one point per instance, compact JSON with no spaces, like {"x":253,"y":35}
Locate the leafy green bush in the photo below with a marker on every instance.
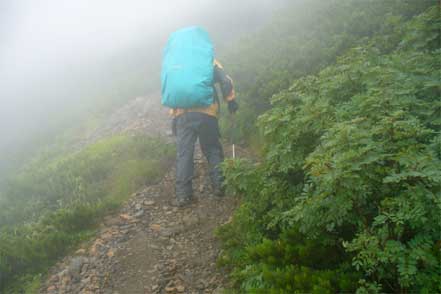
{"x":304,"y":38}
{"x":349,"y":188}
{"x":53,"y":205}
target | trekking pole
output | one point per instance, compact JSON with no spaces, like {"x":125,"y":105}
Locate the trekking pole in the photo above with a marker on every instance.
{"x":233,"y":125}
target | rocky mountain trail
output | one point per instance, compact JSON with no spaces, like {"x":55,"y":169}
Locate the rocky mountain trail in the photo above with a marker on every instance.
{"x":142,"y":115}
{"x":151,"y":246}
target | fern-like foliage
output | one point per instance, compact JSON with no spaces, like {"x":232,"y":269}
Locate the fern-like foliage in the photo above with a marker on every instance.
{"x":348,"y":194}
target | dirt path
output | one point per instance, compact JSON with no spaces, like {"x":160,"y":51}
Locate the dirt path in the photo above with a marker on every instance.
{"x":151,"y":246}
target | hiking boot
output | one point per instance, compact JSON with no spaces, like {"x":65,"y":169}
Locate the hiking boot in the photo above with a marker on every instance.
{"x":219,"y":193}
{"x":181,"y":202}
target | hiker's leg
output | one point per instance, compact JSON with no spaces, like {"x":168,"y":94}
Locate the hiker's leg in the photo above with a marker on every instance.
{"x":209,"y":138}
{"x":186,"y":138}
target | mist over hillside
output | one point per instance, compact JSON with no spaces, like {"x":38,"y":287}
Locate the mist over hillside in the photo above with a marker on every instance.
{"x":333,"y":187}
{"x":62,"y":62}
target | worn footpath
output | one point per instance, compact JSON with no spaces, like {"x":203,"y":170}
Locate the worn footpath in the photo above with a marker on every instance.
{"x":150,"y":246}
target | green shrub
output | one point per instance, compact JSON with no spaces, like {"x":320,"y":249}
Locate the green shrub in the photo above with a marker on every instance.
{"x":304,"y":38}
{"x":349,"y":188}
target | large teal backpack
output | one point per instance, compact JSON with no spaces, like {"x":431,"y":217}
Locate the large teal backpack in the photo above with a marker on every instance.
{"x":187,"y":69}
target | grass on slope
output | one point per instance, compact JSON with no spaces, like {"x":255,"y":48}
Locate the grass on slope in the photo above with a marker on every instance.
{"x":54,"y":204}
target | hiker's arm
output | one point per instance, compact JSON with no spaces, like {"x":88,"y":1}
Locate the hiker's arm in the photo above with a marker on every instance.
{"x":226,"y":83}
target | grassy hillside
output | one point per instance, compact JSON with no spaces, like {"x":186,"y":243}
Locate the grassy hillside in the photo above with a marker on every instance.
{"x":54,"y":203}
{"x":346,"y":197}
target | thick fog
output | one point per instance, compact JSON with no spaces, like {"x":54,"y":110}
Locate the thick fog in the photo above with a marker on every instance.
{"x":58,"y":56}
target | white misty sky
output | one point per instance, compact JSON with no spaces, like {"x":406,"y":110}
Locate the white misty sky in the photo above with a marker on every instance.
{"x":43,"y":33}
{"x":36,"y":35}
{"x":43,"y":41}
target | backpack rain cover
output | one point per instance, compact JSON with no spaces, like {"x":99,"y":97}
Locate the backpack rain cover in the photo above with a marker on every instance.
{"x":187,"y":69}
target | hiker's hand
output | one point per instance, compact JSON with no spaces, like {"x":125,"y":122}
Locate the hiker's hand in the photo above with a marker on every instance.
{"x":232,"y":106}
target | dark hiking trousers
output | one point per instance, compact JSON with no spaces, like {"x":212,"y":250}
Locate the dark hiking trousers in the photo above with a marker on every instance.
{"x":189,"y":127}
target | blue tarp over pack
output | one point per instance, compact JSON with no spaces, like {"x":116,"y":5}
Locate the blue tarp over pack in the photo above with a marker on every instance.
{"x":187,"y":69}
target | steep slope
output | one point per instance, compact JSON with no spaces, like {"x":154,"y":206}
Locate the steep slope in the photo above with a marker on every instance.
{"x":73,"y":187}
{"x":150,"y":246}
{"x":142,"y":115}
{"x":347,"y":197}
{"x":304,"y":38}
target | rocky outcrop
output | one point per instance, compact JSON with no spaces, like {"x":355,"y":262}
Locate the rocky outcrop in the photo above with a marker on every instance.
{"x":143,"y":115}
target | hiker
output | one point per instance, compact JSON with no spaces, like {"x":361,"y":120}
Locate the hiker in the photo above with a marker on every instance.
{"x":190,"y":80}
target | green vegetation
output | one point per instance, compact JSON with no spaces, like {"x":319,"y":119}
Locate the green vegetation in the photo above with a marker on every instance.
{"x":347,"y":196}
{"x":54,"y":203}
{"x":302,"y":39}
